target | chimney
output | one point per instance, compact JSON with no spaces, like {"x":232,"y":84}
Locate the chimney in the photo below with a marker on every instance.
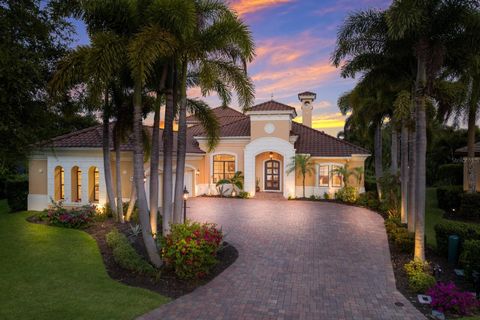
{"x":307,"y":98}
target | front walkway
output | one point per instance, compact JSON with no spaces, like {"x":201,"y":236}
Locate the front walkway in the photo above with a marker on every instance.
{"x":297,"y":260}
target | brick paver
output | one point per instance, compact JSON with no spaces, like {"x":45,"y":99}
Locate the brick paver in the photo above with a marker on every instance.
{"x":297,"y":260}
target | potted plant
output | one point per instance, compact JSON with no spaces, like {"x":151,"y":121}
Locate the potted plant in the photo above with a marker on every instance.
{"x":257,"y":185}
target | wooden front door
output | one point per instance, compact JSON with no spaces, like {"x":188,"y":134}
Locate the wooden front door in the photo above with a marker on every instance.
{"x":272,"y":175}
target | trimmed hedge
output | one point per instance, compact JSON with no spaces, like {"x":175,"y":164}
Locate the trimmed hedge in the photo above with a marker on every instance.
{"x":470,"y":257}
{"x":450,"y":174}
{"x":449,"y":197}
{"x":126,"y":256}
{"x":444,"y":229}
{"x":16,"y":191}
{"x":470,"y":205}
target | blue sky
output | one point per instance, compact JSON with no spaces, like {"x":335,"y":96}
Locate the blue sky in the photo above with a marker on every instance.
{"x":294,"y":40}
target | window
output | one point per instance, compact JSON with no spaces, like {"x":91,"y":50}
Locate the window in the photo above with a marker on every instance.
{"x":93,"y":184}
{"x":336,"y":178}
{"x":59,"y":182}
{"x":323,"y":176}
{"x":76,"y":184}
{"x":223,"y":167}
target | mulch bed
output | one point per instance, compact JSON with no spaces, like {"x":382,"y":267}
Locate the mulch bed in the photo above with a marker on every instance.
{"x":166,"y":283}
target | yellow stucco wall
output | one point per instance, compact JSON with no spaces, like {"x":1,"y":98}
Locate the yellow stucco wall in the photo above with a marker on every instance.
{"x":282,"y":129}
{"x":37,"y":177}
{"x":227,"y":147}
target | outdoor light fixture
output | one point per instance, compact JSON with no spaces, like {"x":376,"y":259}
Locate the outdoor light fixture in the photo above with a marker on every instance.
{"x":185,"y":198}
{"x":234,"y":194}
{"x":271,"y":155}
{"x":198,"y":172}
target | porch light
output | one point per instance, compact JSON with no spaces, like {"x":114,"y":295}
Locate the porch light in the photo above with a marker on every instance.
{"x":270,"y":155}
{"x":234,"y":194}
{"x":185,"y":198}
{"x":197,"y":172}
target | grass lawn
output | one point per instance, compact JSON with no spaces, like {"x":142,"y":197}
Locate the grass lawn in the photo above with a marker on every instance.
{"x":54,"y":273}
{"x":433,"y":215}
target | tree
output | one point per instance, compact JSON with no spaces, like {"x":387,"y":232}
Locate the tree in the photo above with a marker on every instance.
{"x":432,"y":25}
{"x":236,"y":181}
{"x":303,"y":165}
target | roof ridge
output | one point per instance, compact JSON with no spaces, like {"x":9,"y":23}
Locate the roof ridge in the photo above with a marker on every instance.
{"x":329,"y":136}
{"x":275,"y":101}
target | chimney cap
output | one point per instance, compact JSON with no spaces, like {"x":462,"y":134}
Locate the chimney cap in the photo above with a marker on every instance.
{"x":307,"y":95}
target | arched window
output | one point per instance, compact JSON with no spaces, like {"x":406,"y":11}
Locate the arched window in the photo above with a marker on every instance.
{"x":76,"y":184}
{"x":59,"y":182}
{"x":93,"y":184}
{"x":223,"y":167}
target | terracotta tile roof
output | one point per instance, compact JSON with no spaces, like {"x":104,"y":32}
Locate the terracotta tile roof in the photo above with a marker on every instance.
{"x":271,"y":106}
{"x":307,"y":93}
{"x":92,"y":138}
{"x":224,"y":115}
{"x":463,"y":151}
{"x":319,"y":144}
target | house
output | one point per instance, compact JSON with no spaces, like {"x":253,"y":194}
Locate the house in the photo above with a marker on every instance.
{"x":462,"y":152}
{"x":260,"y":142}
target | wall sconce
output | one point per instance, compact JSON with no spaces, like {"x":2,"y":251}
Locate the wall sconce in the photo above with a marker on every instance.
{"x":270,"y":155}
{"x":124,"y":171}
{"x":197,"y":172}
{"x":40,"y":170}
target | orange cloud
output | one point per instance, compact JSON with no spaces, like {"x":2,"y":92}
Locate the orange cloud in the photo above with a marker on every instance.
{"x":243,"y":7}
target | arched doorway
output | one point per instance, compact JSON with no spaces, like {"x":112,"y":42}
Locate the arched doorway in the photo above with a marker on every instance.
{"x":272,"y":175}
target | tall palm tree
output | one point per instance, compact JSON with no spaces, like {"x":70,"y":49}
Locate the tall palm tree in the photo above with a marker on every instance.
{"x":432,"y":25}
{"x":303,"y":165}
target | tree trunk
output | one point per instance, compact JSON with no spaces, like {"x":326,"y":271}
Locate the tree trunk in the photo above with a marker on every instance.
{"x":394,"y":152}
{"x":378,"y":156}
{"x":411,"y":215}
{"x":181,"y":147}
{"x":168,"y":153}
{"x":107,"y":167}
{"x":138,"y":175}
{"x":404,"y":173}
{"x":155,"y":157}
{"x":131,"y":203}
{"x":421,"y":146}
{"x":118,"y":175}
{"x":471,"y":174}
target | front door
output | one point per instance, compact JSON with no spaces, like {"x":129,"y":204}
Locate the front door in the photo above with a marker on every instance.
{"x":272,"y":175}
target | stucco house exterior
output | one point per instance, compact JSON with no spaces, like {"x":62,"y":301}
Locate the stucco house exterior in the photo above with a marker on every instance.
{"x":260,"y":143}
{"x":462,"y":152}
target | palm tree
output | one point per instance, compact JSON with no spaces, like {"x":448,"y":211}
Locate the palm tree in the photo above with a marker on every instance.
{"x":236,"y":181}
{"x":433,"y":26}
{"x":303,"y":165}
{"x":213,"y":48}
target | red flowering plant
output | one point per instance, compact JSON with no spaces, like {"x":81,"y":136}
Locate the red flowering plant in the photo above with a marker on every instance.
{"x":75,"y":218}
{"x":191,"y":248}
{"x":447,"y":298}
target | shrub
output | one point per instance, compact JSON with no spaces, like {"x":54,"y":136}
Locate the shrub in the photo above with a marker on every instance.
{"x":446,"y":297}
{"x":470,"y":257}
{"x":347,"y":194}
{"x":75,"y":218}
{"x":444,"y":229}
{"x":244,"y":195}
{"x":126,"y":256}
{"x":450,"y":174}
{"x":470,"y":205}
{"x":16,"y":191}
{"x":368,"y":199}
{"x":312,"y":197}
{"x":326,"y":196}
{"x":403,"y":240}
{"x":419,"y":277}
{"x":449,"y":197}
{"x":191,"y":248}
{"x":390,"y":186}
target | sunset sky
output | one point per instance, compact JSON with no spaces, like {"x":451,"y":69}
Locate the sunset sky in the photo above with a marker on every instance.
{"x":294,"y":40}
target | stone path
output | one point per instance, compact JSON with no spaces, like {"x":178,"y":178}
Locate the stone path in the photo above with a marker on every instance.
{"x":297,"y":260}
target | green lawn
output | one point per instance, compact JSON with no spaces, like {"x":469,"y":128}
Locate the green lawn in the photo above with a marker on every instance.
{"x":54,"y":273}
{"x":433,"y":215}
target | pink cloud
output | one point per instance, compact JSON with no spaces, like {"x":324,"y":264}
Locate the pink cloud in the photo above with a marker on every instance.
{"x":243,"y":7}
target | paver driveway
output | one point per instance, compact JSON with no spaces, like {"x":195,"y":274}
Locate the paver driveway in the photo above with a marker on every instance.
{"x":297,"y":260}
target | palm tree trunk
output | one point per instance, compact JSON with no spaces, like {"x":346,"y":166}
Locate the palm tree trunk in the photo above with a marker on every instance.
{"x":303,"y":184}
{"x":138,"y":175}
{"x":471,"y":174}
{"x":421,"y":146}
{"x":394,"y":151}
{"x":131,"y":204}
{"x":378,"y":157}
{"x":155,"y":157}
{"x":107,"y":167}
{"x":404,"y":173}
{"x":118,"y":175}
{"x":411,"y":215}
{"x":168,"y":153}
{"x":181,"y":147}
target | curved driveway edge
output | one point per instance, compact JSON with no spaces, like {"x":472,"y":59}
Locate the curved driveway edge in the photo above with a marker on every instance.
{"x":297,"y":260}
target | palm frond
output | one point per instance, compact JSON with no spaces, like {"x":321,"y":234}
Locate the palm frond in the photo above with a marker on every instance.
{"x":207,"y":119}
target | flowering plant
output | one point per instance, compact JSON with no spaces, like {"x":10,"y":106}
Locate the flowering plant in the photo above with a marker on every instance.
{"x":70,"y":218}
{"x":446,"y":297}
{"x":191,"y":248}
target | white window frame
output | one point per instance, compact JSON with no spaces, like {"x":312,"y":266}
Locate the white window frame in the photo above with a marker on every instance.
{"x":330,"y":176}
{"x":212,"y":155}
